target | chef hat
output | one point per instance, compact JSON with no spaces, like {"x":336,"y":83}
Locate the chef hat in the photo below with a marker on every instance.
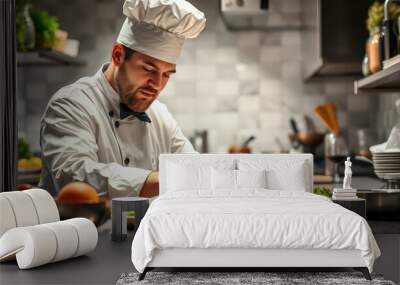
{"x":158,"y":28}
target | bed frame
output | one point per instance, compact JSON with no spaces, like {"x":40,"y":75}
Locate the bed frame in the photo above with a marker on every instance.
{"x":248,"y":259}
{"x":259,"y":259}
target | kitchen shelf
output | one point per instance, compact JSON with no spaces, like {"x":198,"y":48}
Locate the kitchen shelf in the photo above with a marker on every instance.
{"x":387,"y":80}
{"x":46,"y":57}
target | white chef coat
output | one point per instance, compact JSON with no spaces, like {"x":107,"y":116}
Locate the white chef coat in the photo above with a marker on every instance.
{"x":83,"y":139}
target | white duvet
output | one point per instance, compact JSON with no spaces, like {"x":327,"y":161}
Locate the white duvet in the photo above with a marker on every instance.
{"x":250,"y":219}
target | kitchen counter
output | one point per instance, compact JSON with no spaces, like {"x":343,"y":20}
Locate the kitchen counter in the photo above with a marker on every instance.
{"x":111,"y":259}
{"x":385,"y":227}
{"x":357,"y":182}
{"x":381,"y":204}
{"x":102,"y":266}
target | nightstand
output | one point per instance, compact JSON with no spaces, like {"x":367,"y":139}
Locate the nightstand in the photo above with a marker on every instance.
{"x":358,"y":206}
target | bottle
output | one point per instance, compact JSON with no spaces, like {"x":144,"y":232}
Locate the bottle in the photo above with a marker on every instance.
{"x":374,"y":51}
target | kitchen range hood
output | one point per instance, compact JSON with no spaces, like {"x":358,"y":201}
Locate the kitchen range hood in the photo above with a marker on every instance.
{"x":335,"y":33}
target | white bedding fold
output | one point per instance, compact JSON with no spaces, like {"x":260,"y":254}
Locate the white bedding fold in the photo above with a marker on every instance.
{"x":250,"y":219}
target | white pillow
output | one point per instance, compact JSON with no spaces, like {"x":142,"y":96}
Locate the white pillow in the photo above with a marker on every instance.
{"x":223,"y":179}
{"x":294,"y":180}
{"x":251,"y":178}
{"x":192,"y":174}
{"x":281,"y":174}
{"x":183,"y":177}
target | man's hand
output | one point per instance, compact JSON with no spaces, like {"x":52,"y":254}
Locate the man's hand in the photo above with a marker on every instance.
{"x":150,"y":187}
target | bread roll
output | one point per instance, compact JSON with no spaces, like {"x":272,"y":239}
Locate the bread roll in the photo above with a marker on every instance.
{"x":78,"y":192}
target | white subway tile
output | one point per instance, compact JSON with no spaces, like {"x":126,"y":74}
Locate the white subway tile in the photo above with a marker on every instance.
{"x":249,"y":104}
{"x":226,"y":55}
{"x":247,"y":71}
{"x":270,"y":54}
{"x":206,"y":72}
{"x":228,"y":87}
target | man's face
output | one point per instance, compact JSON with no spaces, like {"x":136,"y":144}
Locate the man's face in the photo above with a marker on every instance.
{"x":140,"y":80}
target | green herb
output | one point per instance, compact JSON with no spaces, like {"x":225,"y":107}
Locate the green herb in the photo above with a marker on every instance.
{"x":376,"y":14}
{"x":323,"y":191}
{"x":46,"y":27}
{"x":24,"y":150}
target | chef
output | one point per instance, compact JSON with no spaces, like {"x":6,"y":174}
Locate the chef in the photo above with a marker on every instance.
{"x":109,"y":129}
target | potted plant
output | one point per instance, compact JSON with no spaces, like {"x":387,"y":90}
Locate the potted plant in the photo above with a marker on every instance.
{"x":46,"y":27}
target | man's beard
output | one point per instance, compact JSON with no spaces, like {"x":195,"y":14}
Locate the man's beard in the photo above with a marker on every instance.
{"x":130,"y":96}
{"x":136,"y":102}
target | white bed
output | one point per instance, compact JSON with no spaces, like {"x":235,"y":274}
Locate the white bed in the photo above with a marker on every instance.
{"x":199,"y":224}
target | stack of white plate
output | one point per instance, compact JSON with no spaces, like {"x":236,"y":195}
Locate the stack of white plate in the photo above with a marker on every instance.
{"x":387,"y":165}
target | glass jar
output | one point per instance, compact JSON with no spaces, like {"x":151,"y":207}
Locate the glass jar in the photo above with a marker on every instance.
{"x":365,"y":66}
{"x":373,"y":51}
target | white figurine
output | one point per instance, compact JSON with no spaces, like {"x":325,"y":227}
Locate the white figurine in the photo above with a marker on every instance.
{"x":347,"y":174}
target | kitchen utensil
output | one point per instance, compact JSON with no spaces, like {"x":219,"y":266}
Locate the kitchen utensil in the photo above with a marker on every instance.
{"x":387,"y":165}
{"x":309,"y":141}
{"x":336,"y":152}
{"x":293,"y":125}
{"x":294,"y":142}
{"x":363,"y":143}
{"x":243,"y":148}
{"x":249,"y":140}
{"x":328,"y":116}
{"x":199,"y":140}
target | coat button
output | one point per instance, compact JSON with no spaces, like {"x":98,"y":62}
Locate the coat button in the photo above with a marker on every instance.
{"x":111,"y":113}
{"x":116,"y":124}
{"x":126,"y":161}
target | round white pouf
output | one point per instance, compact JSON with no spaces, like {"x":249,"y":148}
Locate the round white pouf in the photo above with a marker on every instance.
{"x":40,"y":244}
{"x":33,"y":246}
{"x":7,"y":218}
{"x":67,"y":240}
{"x":87,"y":234}
{"x":23,"y":208}
{"x":45,"y":205}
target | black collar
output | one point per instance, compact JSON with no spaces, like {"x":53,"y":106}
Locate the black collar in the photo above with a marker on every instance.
{"x":125,"y":111}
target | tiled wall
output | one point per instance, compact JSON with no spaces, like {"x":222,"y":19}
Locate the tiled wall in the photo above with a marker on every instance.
{"x":388,"y":115}
{"x":233,"y":84}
